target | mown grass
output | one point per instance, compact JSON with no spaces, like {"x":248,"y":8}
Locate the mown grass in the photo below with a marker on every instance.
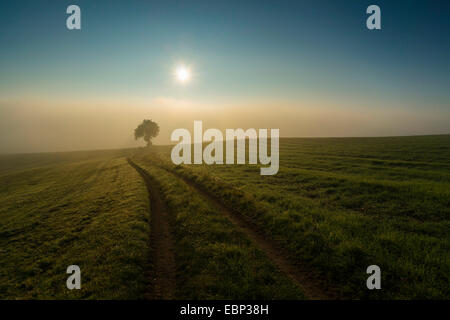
{"x":346,"y":203}
{"x":84,"y":208}
{"x":214,"y":259}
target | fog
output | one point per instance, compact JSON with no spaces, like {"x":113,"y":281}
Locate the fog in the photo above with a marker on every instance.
{"x":40,"y":125}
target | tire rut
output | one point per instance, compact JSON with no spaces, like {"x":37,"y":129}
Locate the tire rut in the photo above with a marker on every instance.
{"x":310,"y":282}
{"x":162,"y":280}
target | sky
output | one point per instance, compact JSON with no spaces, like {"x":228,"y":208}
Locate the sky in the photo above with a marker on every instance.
{"x":309,"y":68}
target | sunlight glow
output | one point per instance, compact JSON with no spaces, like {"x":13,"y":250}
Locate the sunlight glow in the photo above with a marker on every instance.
{"x":182,"y":74}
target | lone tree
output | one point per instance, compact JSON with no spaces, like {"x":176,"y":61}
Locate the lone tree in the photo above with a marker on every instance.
{"x":147,"y":130}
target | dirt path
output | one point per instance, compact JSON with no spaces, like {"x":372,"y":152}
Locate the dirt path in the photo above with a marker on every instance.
{"x":311,"y":284}
{"x":161,"y":242}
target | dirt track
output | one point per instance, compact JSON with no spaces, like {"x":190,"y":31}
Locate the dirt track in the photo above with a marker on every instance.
{"x":311,"y":284}
{"x":161,"y":242}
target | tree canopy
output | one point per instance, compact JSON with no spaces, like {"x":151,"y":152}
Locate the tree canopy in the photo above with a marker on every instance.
{"x":146,"y":130}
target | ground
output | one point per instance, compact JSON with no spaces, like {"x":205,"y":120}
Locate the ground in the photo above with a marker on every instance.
{"x":140,"y":227}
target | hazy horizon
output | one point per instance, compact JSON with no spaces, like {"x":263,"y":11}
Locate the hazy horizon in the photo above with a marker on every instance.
{"x":309,"y":69}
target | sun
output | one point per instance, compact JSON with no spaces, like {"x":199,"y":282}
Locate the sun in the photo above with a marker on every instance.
{"x":182,"y":74}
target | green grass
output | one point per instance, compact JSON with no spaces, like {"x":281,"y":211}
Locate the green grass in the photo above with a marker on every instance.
{"x":343,"y":204}
{"x":339,"y":205}
{"x":89,"y":209}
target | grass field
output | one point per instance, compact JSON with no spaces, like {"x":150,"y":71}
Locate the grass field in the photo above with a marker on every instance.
{"x":340,"y":205}
{"x":335,"y":207}
{"x":86,"y":208}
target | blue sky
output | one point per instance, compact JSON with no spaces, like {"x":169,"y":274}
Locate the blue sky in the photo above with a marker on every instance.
{"x":296,"y":51}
